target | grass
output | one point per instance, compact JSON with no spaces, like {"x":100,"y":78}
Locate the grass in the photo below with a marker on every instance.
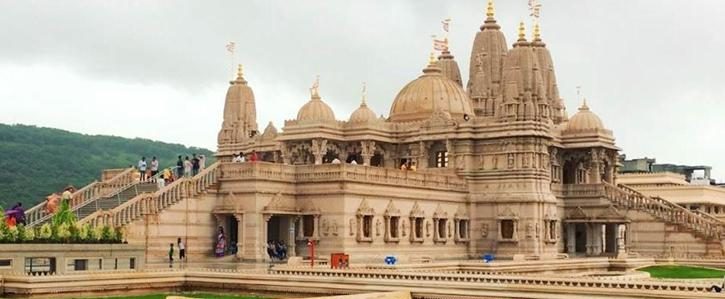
{"x":190,"y":295}
{"x":686,"y":272}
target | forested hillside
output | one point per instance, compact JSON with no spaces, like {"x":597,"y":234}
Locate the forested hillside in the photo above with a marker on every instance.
{"x":37,"y":161}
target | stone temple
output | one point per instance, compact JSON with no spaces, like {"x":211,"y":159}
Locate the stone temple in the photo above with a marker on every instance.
{"x":499,"y":168}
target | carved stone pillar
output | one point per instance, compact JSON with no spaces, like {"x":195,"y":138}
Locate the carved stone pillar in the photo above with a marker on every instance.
{"x":424,"y":154}
{"x":284,"y":152}
{"x":571,"y":238}
{"x":621,"y":247}
{"x":595,"y":167}
{"x":319,"y":149}
{"x":367,"y":151}
{"x":451,"y":154}
{"x":240,"y":234}
{"x":265,"y":236}
{"x":316,"y":233}
{"x":291,"y":243}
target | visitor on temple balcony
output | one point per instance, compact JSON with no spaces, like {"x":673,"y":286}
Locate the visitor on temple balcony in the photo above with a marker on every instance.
{"x":154,"y":168}
{"x":142,"y":169}
{"x":253,"y":156}
{"x":179,"y":168}
{"x":271,"y":251}
{"x":235,"y":158}
{"x":404,"y":166}
{"x":171,"y":255}
{"x":282,"y":250}
{"x":353,"y":162}
{"x":182,"y":250}
{"x":187,"y":167}
{"x":195,"y":165}
{"x":202,"y":162}
{"x":336,"y":161}
{"x":221,"y":243}
{"x":412,"y":167}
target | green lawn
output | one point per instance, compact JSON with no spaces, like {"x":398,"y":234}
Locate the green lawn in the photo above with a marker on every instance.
{"x":191,"y":295}
{"x":677,"y":271}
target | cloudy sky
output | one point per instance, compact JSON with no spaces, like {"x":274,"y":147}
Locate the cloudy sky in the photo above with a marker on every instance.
{"x":653,"y":70}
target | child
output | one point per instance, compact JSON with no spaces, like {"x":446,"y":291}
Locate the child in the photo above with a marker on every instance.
{"x":171,"y":255}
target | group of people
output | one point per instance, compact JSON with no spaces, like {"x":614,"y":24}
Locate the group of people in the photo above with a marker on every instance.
{"x":241,"y":157}
{"x":189,"y":167}
{"x":185,"y":167}
{"x":182,"y":252}
{"x":277,"y":250}
{"x":52,"y":202}
{"x":15,"y":215}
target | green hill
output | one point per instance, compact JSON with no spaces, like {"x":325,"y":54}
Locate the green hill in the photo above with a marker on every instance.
{"x":38,"y":161}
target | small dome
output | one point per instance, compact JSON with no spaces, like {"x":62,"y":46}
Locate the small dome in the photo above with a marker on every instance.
{"x":428,"y":93}
{"x":585,"y":120}
{"x":363,"y":114}
{"x":315,"y":110}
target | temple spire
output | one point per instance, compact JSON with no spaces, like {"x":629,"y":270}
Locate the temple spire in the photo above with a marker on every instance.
{"x":240,"y":71}
{"x":522,"y":32}
{"x":537,"y":31}
{"x":315,"y":89}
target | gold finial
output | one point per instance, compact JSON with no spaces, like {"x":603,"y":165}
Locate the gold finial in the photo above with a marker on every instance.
{"x":431,"y":58}
{"x":584,"y":105}
{"x":364,"y":94}
{"x":240,"y":71}
{"x":490,"y":10}
{"x":522,"y":31}
{"x":315,"y":90}
{"x":537,"y":31}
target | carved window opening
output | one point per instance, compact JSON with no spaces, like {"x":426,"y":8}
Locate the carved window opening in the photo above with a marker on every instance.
{"x":417,"y":226}
{"x":308,"y":226}
{"x":392,"y":223}
{"x":365,"y":215}
{"x":508,"y":228}
{"x":462,"y":234}
{"x":440,"y":226}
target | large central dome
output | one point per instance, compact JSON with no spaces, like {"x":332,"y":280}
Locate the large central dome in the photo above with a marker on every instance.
{"x":428,"y":93}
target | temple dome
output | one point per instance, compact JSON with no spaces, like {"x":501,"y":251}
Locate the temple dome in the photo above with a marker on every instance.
{"x":430,"y":92}
{"x":363,"y":114}
{"x":315,"y":110}
{"x":585,"y":120}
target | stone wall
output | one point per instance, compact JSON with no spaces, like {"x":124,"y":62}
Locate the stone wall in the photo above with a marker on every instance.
{"x":70,"y":258}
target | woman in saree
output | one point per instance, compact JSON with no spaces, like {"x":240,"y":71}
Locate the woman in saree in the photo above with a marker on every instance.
{"x":221,"y":243}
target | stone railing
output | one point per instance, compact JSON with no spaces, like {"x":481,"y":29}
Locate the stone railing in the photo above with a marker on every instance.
{"x":581,"y":190}
{"x":152,"y":203}
{"x":346,"y":172}
{"x":628,"y":198}
{"x":38,"y":214}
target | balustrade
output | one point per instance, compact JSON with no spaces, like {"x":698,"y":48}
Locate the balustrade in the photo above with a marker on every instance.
{"x":89,"y":193}
{"x":332,"y":172}
{"x":147,"y":203}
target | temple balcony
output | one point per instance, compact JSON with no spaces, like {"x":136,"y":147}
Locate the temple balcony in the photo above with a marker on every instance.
{"x":341,"y":173}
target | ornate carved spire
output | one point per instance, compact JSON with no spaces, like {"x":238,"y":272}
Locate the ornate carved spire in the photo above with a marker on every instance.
{"x":364,"y":94}
{"x":522,"y":32}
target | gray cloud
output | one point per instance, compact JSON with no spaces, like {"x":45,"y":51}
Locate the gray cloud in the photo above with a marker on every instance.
{"x":651,"y":69}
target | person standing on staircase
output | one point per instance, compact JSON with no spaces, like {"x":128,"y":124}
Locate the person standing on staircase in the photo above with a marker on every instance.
{"x":179,"y":168}
{"x":154,"y":168}
{"x":195,"y":165}
{"x":187,"y":167}
{"x":142,"y":169}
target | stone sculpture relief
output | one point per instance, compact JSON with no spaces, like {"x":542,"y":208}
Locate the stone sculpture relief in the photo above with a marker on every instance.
{"x":378,"y":225}
{"x":484,"y":230}
{"x":352,"y":227}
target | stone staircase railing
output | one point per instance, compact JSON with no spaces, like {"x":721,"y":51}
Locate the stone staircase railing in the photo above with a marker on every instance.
{"x":152,"y":203}
{"x":38,"y":214}
{"x":625,"y":197}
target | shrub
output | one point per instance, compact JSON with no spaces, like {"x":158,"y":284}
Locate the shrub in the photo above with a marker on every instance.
{"x":29,"y":234}
{"x":84,"y":232}
{"x":12,"y":234}
{"x":46,"y":232}
{"x":63,"y":233}
{"x":96,"y":233}
{"x":107,"y":234}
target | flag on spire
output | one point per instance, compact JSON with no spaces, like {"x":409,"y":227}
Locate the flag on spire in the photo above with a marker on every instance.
{"x":446,"y":23}
{"x":230,"y":47}
{"x":440,"y":44}
{"x":534,"y":9}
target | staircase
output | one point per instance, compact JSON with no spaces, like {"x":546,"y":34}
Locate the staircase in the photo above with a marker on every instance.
{"x":706,"y":227}
{"x":114,"y":200}
{"x":88,"y":194}
{"x":153,"y":203}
